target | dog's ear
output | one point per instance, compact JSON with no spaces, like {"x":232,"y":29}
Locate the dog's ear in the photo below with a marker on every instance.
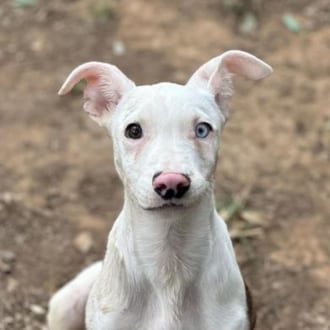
{"x":215,"y":76}
{"x":105,"y":86}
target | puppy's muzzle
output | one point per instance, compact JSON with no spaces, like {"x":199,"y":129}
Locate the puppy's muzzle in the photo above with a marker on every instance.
{"x":170,"y":185}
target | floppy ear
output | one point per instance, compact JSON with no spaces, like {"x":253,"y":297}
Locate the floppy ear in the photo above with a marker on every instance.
{"x":215,"y":76}
{"x":106,"y":85}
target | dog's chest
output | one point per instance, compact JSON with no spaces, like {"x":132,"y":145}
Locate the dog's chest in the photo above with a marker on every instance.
{"x":175,"y":285}
{"x":192,"y":310}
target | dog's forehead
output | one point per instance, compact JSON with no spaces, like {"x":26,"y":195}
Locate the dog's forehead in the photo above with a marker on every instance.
{"x":166,"y":98}
{"x":163,"y":91}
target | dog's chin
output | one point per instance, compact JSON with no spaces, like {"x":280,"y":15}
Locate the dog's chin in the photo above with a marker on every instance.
{"x":155,"y":203}
{"x":166,"y":206}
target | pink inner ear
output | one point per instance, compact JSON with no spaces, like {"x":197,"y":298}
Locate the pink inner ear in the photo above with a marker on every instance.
{"x":95,"y":103}
{"x":105,"y":86}
{"x":246,"y":65}
{"x":230,"y":62}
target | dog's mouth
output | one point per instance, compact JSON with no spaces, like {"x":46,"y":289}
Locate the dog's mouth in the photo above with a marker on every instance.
{"x":165,"y":206}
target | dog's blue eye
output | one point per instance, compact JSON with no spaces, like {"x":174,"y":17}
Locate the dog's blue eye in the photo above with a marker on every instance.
{"x":202,"y":130}
{"x":133,"y":131}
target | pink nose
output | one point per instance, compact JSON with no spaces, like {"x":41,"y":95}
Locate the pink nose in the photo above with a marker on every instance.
{"x":170,"y":184}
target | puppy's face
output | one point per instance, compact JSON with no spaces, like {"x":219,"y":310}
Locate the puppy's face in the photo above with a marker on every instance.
{"x":165,"y":136}
{"x":165,"y":128}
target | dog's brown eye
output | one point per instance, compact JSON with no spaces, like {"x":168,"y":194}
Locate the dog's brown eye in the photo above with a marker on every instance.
{"x":202,"y":130}
{"x":133,"y":131}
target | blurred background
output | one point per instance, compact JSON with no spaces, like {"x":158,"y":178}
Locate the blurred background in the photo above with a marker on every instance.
{"x":59,"y":193}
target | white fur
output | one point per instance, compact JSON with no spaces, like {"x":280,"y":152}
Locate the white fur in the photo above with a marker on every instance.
{"x":67,"y":306}
{"x":167,"y":267}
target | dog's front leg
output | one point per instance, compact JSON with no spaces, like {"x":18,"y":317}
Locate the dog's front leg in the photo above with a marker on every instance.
{"x":118,"y":298}
{"x":67,"y":306}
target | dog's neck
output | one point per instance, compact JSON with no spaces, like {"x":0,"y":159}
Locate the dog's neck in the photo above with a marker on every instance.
{"x":171,"y":247}
{"x":171,"y":240}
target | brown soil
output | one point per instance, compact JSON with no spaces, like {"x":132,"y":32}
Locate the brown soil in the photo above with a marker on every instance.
{"x":57,"y":178}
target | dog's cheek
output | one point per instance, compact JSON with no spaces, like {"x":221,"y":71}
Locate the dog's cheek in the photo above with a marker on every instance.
{"x":134,"y":165}
{"x":207,"y":157}
{"x":118,"y":160}
{"x":123,"y":159}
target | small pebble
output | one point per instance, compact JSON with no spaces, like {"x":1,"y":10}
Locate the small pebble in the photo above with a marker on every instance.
{"x":83,"y":242}
{"x":9,"y":198}
{"x":118,"y":48}
{"x":37,"y":310}
{"x":249,"y":24}
{"x":8,"y":320}
{"x":12,"y":285}
{"x":7,"y":256}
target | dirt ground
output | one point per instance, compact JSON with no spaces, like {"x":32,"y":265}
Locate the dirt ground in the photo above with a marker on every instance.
{"x":59,"y":193}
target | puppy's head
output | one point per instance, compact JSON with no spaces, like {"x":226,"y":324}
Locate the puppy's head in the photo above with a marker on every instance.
{"x":165,"y":136}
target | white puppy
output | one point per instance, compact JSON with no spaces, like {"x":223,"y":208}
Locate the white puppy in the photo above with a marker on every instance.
{"x":169,"y":264}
